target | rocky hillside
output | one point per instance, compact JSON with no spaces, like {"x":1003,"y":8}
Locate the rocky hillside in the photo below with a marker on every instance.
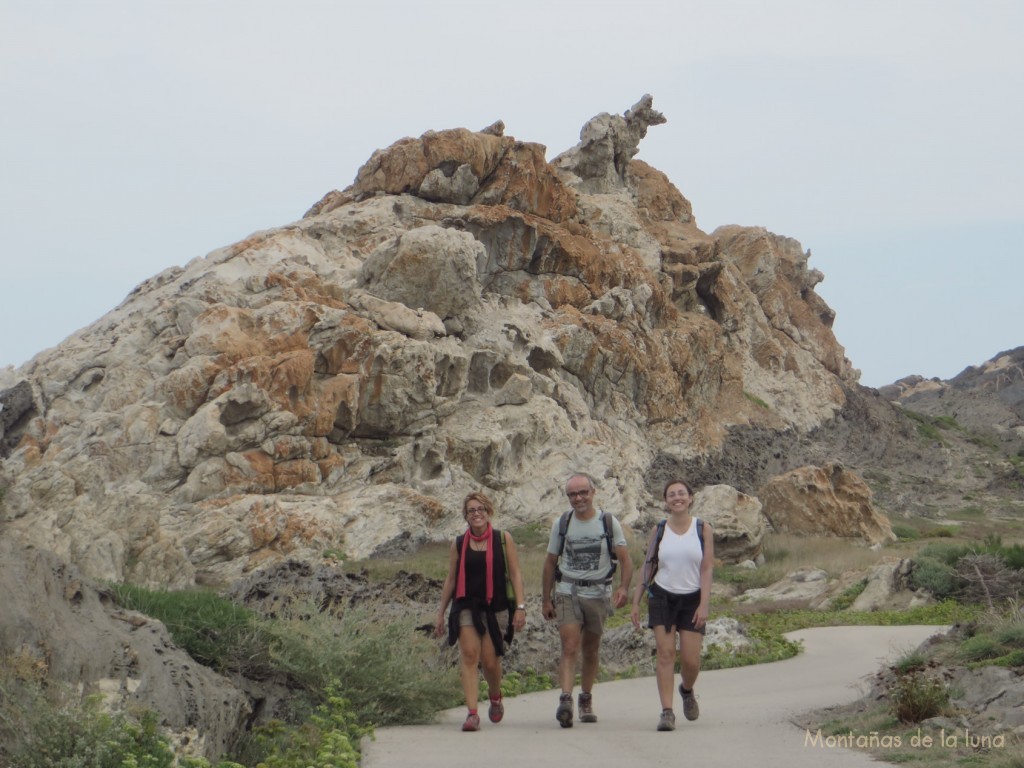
{"x":466,"y":315}
{"x":986,"y":399}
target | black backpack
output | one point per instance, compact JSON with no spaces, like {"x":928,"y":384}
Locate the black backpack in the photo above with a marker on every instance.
{"x":563,"y":527}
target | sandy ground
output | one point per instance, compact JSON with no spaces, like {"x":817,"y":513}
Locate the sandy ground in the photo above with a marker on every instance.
{"x":746,"y":716}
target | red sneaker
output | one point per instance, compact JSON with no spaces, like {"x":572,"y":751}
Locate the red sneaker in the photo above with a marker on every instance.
{"x":496,"y":711}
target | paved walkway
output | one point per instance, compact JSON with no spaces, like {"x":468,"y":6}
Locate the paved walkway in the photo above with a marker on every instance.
{"x":745,"y":717}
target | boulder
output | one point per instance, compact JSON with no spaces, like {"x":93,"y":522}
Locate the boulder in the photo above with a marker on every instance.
{"x":888,"y":587}
{"x":428,"y":268}
{"x":828,"y":500}
{"x":737,"y":520}
{"x":804,"y":585}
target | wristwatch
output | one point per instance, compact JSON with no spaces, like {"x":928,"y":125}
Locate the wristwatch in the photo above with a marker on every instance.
{"x":520,"y":607}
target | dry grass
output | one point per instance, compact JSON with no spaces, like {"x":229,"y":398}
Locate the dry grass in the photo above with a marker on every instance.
{"x":786,"y":553}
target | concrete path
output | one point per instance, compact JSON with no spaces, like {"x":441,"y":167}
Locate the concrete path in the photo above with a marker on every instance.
{"x":745,"y":716}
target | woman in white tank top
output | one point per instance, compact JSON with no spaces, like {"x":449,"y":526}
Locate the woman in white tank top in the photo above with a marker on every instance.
{"x":677,"y":578}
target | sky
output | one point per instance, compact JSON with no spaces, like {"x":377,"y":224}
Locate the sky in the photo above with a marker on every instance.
{"x":885,"y":136}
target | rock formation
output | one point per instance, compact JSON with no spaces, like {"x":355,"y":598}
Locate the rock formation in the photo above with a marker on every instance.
{"x":828,"y":501}
{"x":987,"y":399}
{"x":465,"y":315}
{"x":737,"y":519}
{"x":68,"y":628}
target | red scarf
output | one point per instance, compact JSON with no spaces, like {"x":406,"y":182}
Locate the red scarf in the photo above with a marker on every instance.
{"x":460,"y":586}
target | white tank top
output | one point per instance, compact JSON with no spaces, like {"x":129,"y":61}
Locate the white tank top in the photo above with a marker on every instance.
{"x":679,"y":560}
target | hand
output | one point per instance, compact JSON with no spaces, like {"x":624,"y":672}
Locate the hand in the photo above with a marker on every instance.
{"x":549,"y":610}
{"x":700,"y":616}
{"x":439,"y":627}
{"x":620,"y":598}
{"x":519,"y":620}
{"x":634,"y":616}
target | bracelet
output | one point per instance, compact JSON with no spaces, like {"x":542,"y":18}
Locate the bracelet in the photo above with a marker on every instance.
{"x":520,"y":607}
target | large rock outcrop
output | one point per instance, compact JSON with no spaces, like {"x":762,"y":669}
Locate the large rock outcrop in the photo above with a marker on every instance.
{"x":70,"y":629}
{"x":464,"y":316}
{"x":737,"y":519}
{"x":824,"y":501}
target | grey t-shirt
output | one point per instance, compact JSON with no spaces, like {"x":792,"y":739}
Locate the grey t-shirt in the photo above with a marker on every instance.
{"x":586,"y":554}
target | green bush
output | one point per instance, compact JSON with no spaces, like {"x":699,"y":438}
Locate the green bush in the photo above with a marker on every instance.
{"x":906,"y":532}
{"x":935,"y":577}
{"x":979,"y":648}
{"x":54,"y":734}
{"x":1013,"y":556}
{"x":849,"y":595}
{"x":515,"y":683}
{"x":387,"y":670}
{"x":213,"y":630}
{"x":944,"y":552}
{"x":917,"y":696}
{"x":1010,"y":635}
{"x":331,"y":738}
{"x":912,"y":661}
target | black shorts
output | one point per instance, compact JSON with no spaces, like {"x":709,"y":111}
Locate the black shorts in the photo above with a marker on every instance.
{"x":667,"y":609}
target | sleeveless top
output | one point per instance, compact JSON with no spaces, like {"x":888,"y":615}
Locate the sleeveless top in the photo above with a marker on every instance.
{"x":679,"y":558}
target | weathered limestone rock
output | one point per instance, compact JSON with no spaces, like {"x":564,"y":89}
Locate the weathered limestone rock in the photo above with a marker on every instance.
{"x":804,"y":585}
{"x":428,"y":268}
{"x":15,"y":404}
{"x":888,"y":587}
{"x":69,"y":626}
{"x":827,"y":500}
{"x":607,"y":145}
{"x":737,"y":520}
{"x":464,"y":316}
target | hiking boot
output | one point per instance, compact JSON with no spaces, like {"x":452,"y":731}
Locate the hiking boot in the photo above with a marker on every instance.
{"x":496,"y":711}
{"x":667,"y":721}
{"x":690,"y":709}
{"x":472,"y":722}
{"x":585,"y":705}
{"x":564,"y":712}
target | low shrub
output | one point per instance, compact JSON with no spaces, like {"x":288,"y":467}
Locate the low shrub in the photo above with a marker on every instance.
{"x":979,"y":648}
{"x":905,"y":532}
{"x":917,"y":696}
{"x":46,"y":727}
{"x":849,"y":595}
{"x":388,"y":671}
{"x":213,"y":630}
{"x":330,"y":739}
{"x":912,"y":661}
{"x":936,"y":577}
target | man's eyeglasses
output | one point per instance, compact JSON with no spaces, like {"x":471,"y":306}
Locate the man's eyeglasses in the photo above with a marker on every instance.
{"x":574,"y":494}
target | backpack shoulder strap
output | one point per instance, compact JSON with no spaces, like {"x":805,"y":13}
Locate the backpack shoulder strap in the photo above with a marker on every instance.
{"x":563,"y":527}
{"x":606,"y":519}
{"x":651,"y":561}
{"x":700,"y":534}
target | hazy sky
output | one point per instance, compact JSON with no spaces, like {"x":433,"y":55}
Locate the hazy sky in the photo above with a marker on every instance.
{"x":884,"y":136}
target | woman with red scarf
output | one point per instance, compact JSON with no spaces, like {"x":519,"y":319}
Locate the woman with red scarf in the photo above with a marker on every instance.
{"x":483,"y":617}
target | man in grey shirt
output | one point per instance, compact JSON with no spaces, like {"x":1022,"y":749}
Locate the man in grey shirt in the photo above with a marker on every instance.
{"x":578,"y":590}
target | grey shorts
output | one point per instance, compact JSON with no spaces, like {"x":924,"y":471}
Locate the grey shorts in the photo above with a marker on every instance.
{"x":594,"y":609}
